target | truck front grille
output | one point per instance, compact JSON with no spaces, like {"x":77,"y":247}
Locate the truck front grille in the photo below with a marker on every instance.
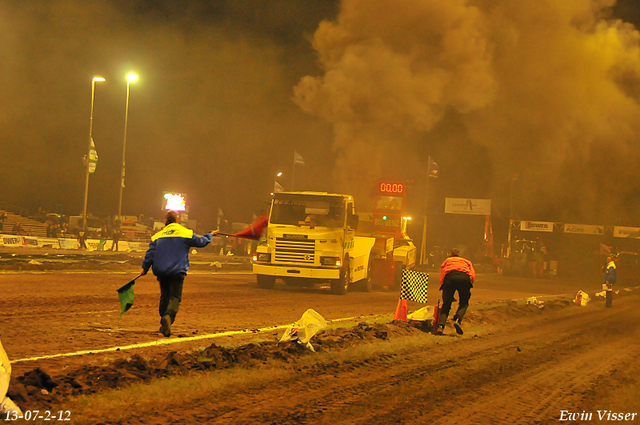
{"x":293,"y":251}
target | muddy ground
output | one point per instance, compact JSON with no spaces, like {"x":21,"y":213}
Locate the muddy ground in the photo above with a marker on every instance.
{"x":531,"y":365}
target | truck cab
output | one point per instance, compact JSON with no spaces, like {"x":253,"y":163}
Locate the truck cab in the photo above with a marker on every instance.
{"x":311,"y":238}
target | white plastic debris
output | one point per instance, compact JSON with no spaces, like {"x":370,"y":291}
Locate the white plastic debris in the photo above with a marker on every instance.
{"x":602,"y":294}
{"x":35,"y":262}
{"x":425,"y":313}
{"x":304,"y":329}
{"x":193,"y":251}
{"x":535,"y":301}
{"x":582,"y":298}
{"x":216,"y":264}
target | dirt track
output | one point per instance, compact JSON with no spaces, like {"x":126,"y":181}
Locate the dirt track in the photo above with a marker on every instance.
{"x":527,"y":371}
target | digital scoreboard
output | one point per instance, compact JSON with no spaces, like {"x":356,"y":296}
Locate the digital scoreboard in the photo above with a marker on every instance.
{"x":391,"y":188}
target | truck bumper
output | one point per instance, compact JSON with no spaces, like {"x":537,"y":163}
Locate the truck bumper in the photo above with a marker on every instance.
{"x":292,"y":271}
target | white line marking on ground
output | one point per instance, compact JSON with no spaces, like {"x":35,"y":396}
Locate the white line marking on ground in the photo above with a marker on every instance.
{"x":166,"y":342}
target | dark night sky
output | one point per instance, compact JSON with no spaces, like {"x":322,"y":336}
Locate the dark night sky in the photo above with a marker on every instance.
{"x":227,"y":91}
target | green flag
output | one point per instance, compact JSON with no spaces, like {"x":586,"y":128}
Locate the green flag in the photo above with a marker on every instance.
{"x":125,"y":293}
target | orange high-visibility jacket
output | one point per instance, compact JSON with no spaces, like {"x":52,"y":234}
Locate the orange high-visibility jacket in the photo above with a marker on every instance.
{"x":456,"y":264}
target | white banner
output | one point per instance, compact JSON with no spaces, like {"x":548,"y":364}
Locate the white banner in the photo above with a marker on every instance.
{"x":136,"y":246}
{"x":626,"y":232}
{"x":11,"y":240}
{"x":96,"y":244}
{"x":68,"y":243}
{"x":107,"y":245}
{"x":536,"y":226}
{"x":583,"y":229}
{"x":467,"y":206}
{"x":48,"y":243}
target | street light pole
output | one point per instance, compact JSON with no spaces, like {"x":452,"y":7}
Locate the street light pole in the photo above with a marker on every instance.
{"x":513,"y":179}
{"x":86,"y":185}
{"x":130,"y":78}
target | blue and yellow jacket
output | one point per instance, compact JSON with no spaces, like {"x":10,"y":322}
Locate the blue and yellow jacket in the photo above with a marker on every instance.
{"x":610,"y":274}
{"x":168,"y":251}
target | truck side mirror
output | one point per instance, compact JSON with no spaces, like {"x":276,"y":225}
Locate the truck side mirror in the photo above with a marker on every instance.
{"x":353,"y":221}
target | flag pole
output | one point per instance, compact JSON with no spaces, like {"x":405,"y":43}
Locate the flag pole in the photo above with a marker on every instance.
{"x":293,"y":170}
{"x":423,"y":248}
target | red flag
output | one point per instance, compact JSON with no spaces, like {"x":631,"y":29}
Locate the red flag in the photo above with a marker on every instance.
{"x":255,"y":229}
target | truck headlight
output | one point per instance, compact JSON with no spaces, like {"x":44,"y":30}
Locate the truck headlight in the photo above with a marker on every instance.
{"x":262,"y":257}
{"x":330,"y":261}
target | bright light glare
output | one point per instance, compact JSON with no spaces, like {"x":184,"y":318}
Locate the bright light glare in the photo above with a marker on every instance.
{"x":132,"y":77}
{"x":279,"y":174}
{"x":407,"y":218}
{"x":98,"y":79}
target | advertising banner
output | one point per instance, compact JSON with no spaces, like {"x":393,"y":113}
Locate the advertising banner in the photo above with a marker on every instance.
{"x":583,"y":229}
{"x":11,"y":240}
{"x":48,"y":243}
{"x":29,"y":241}
{"x":137,"y":246}
{"x":68,"y":243}
{"x":626,"y":232}
{"x":536,"y":226}
{"x":467,"y":206}
{"x":95,"y":244}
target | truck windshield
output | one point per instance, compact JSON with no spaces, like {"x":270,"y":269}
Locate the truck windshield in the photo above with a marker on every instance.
{"x":324,"y":211}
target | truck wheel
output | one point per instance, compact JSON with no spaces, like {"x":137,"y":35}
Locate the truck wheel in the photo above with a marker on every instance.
{"x":266,"y":282}
{"x":341,"y":286}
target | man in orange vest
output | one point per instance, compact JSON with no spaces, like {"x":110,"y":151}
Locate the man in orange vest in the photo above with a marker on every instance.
{"x":456,"y":274}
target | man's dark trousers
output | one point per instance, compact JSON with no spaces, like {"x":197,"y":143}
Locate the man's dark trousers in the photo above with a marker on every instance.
{"x":170,"y":294}
{"x":455,"y":281}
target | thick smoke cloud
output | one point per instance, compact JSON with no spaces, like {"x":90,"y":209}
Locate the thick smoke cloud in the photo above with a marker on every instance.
{"x":542,"y":92}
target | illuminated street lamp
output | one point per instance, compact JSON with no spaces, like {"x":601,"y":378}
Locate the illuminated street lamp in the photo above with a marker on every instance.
{"x":130,"y":78}
{"x":88,"y":162}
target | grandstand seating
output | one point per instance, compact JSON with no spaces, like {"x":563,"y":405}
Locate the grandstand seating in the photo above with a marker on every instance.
{"x":30,"y":226}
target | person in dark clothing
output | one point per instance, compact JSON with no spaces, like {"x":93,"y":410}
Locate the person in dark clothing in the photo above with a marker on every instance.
{"x":456,"y":274}
{"x":116,"y":239}
{"x":610,"y":277}
{"x":82,"y":238}
{"x":168,"y":254}
{"x":17,"y":229}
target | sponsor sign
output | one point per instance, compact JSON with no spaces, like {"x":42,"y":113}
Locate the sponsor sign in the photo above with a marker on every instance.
{"x":48,"y":242}
{"x":10,"y":240}
{"x":68,"y":243}
{"x":123,"y":246}
{"x":626,"y":232}
{"x":389,"y":245}
{"x":583,"y":229}
{"x":135,"y":246}
{"x":30,"y":241}
{"x":467,"y":206}
{"x":95,"y":244}
{"x":536,"y":226}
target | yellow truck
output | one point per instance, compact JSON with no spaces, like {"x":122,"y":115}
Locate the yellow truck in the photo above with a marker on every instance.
{"x":311,"y":238}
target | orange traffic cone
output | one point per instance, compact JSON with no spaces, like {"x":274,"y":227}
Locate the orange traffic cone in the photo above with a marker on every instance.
{"x":436,"y":316}
{"x":401,"y":310}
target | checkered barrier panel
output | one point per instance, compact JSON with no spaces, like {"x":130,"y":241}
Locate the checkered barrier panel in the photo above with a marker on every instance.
{"x":414,"y":286}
